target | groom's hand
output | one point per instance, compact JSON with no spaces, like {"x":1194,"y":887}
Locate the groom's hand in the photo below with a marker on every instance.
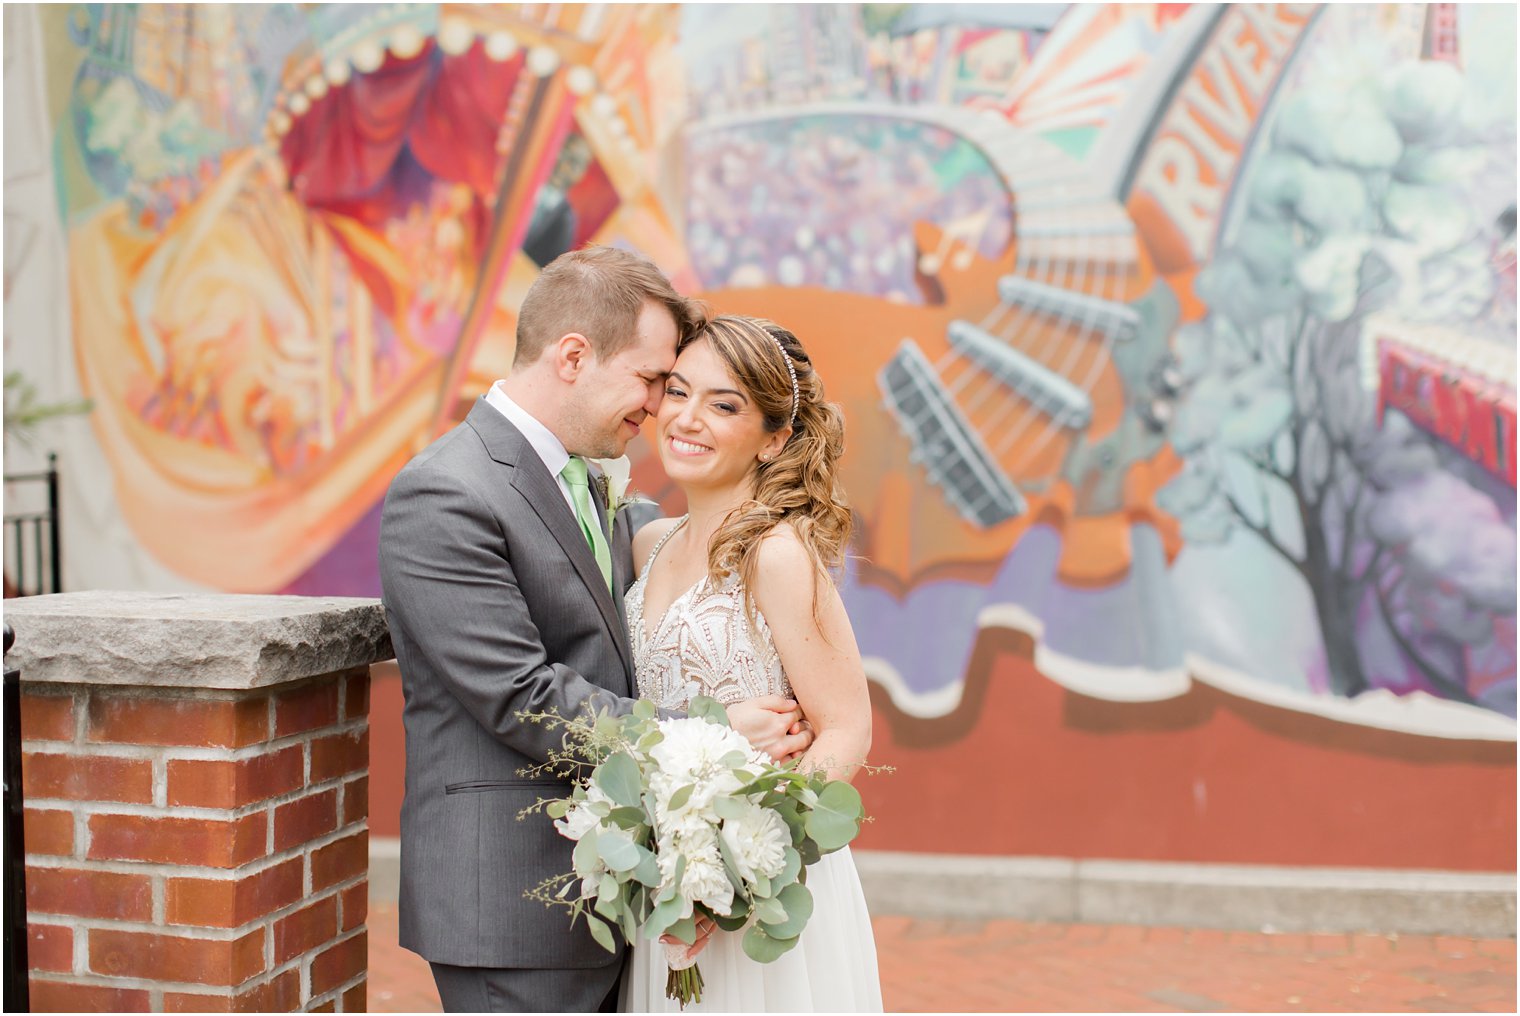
{"x":769,"y":722}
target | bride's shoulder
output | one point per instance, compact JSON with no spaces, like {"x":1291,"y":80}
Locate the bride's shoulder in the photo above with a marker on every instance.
{"x":783,"y":560}
{"x":650,"y":534}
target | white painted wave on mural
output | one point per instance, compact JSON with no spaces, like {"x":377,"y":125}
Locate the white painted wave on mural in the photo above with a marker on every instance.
{"x":1414,"y":713}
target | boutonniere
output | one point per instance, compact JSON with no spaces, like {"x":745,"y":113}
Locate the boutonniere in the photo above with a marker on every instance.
{"x":612,"y":481}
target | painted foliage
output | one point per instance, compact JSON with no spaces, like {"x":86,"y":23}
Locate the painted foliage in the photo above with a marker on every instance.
{"x":1176,"y":341}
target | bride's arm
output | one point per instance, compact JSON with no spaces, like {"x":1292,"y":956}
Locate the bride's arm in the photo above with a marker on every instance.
{"x":818,"y":651}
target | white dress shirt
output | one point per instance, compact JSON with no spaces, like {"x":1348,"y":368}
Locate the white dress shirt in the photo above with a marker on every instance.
{"x":548,"y":447}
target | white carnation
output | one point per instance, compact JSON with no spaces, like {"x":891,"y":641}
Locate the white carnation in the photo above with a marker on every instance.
{"x":757,"y":842}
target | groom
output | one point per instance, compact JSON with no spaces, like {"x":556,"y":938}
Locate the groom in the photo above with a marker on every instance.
{"x":503,"y":588}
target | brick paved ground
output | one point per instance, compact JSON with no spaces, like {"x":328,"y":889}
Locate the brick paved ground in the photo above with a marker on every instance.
{"x":1012,"y":966}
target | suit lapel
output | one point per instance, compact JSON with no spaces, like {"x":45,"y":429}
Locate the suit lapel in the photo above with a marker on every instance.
{"x":531,"y":478}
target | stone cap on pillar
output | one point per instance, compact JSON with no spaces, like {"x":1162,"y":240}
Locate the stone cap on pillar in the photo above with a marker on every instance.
{"x":192,"y":640}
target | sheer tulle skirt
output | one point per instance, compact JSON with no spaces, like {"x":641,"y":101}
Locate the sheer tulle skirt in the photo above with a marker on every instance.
{"x":832,"y":968}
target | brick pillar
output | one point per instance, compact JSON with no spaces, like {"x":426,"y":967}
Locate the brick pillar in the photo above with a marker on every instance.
{"x":196,"y":782}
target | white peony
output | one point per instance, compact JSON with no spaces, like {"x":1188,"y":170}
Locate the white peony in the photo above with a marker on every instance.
{"x":694,"y":747}
{"x":757,"y":842}
{"x":707,"y":883}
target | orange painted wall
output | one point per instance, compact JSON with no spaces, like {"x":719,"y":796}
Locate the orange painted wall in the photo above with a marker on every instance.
{"x":1026,"y":767}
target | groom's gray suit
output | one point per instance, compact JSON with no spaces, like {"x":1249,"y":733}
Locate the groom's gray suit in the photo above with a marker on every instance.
{"x":495,"y":604}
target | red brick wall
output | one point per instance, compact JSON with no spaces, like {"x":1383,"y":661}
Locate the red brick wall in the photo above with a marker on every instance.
{"x":198,"y":851}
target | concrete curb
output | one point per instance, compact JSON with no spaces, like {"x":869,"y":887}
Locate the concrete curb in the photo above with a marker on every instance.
{"x":1227,"y":896}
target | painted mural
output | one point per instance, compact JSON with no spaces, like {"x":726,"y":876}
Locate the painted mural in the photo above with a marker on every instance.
{"x":1176,"y":342}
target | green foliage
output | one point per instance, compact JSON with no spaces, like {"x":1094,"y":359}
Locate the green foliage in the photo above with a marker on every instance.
{"x":711,"y":710}
{"x":764,"y":948}
{"x":619,"y":779}
{"x":24,"y":409}
{"x":796,"y":902}
{"x":835,"y":820}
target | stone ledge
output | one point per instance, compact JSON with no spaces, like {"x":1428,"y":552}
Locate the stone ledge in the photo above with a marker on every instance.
{"x":1236,"y":897}
{"x":1228,"y":896}
{"x":200,"y":640}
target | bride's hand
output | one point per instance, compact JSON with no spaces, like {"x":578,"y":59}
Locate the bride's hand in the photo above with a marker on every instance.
{"x":705,"y":928}
{"x":773,"y":724}
{"x":797,"y":728}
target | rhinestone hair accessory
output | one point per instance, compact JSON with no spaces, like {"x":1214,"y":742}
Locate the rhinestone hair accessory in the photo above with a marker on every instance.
{"x":796,"y":400}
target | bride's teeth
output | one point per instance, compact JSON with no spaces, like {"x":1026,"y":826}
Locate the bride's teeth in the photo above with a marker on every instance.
{"x":686,"y":447}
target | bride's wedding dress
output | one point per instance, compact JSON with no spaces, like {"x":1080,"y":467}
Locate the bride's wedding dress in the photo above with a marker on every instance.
{"x":704,"y":645}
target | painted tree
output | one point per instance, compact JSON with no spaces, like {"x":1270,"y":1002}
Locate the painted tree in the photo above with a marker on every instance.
{"x":1360,"y":202}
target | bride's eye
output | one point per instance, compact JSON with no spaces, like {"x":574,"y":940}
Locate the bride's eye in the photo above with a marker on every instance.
{"x":726,"y":408}
{"x":671,"y":391}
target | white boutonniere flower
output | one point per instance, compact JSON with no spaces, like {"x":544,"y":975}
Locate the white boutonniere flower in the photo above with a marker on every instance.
{"x":613,"y":482}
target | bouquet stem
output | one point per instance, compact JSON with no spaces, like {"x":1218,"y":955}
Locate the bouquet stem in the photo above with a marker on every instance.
{"x":685,"y":986}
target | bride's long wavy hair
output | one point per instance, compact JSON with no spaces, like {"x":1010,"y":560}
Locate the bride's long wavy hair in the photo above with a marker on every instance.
{"x":800,"y":485}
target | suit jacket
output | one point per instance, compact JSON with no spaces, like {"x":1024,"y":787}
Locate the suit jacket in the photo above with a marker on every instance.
{"x":495,"y":604}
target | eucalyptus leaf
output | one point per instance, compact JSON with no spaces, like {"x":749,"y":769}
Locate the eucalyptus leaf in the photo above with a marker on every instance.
{"x":733,"y":759}
{"x":708,"y":709}
{"x":585,"y":856}
{"x":798,"y":903}
{"x":835,"y":819}
{"x":629,"y":923}
{"x":618,"y":850}
{"x":791,"y":864}
{"x":602,"y":933}
{"x":729,"y":807}
{"x":734,"y":921}
{"x":770,"y":912}
{"x":628,"y":818}
{"x":809,"y":851}
{"x":685,"y":929}
{"x":762,"y":948}
{"x":558,"y":809}
{"x":647,"y":871}
{"x":619,"y":778}
{"x":730,"y":867}
{"x":680,"y":797}
{"x":662,"y":916}
{"x":644,"y":710}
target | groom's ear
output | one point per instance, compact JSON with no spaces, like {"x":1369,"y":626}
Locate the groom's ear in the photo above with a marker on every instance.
{"x":572,"y":354}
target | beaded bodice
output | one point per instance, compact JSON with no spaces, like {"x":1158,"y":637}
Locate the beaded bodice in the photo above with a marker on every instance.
{"x":703,"y":645}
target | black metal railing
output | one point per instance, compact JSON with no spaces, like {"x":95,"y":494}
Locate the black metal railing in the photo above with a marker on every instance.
{"x":33,"y":548}
{"x":17,"y":992}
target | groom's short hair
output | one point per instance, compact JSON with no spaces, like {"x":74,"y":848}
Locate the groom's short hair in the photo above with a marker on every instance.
{"x":598,"y":292}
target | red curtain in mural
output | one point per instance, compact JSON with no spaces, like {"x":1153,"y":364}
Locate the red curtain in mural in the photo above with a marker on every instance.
{"x":370,"y":148}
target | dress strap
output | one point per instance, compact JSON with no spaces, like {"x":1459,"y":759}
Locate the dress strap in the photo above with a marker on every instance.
{"x":659,"y":545}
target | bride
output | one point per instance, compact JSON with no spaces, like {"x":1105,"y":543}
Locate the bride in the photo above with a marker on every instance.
{"x":735,"y":601}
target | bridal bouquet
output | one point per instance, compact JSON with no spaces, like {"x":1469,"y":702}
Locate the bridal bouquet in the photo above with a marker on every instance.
{"x":676,"y":818}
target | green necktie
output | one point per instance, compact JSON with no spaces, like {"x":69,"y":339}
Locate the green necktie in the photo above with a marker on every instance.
{"x":591,"y":526}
